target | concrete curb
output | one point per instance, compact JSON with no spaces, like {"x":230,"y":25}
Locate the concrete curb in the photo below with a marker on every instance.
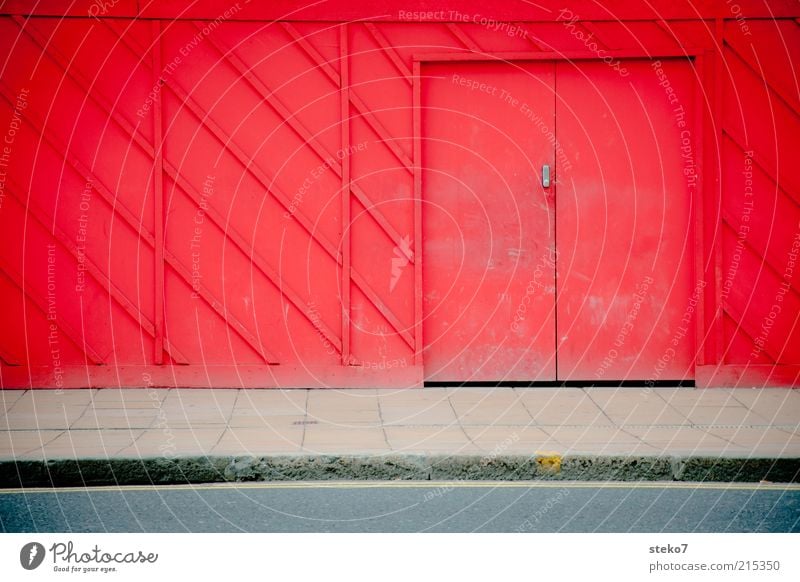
{"x":202,"y":469}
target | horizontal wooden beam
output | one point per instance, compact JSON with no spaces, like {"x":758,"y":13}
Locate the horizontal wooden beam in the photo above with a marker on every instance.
{"x":400,"y":10}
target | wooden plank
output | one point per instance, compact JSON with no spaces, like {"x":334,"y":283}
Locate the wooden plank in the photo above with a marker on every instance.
{"x":307,"y":136}
{"x":219,"y":307}
{"x":708,"y":320}
{"x":269,"y":97}
{"x":158,"y":206}
{"x":81,"y":169}
{"x":530,"y":38}
{"x":58,"y":58}
{"x":344,"y":100}
{"x":389,"y":51}
{"x":381,"y":220}
{"x":383,"y":309}
{"x":418,"y":282}
{"x":362,"y":108}
{"x":97,"y":274}
{"x":7,"y":358}
{"x":272,"y":188}
{"x":397,"y":10}
{"x":592,"y":32}
{"x":77,"y":339}
{"x":751,"y":61}
{"x":462,"y":37}
{"x":369,"y":116}
{"x":768,"y":259}
{"x":718,"y":327}
{"x":762,"y":163}
{"x":315,"y":56}
{"x":133,"y":222}
{"x":507,"y":56}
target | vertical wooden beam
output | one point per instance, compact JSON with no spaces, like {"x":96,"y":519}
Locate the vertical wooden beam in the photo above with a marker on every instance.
{"x":703,"y":189}
{"x":417,"y":159}
{"x":716,"y":123}
{"x":344,"y":99}
{"x":158,"y":190}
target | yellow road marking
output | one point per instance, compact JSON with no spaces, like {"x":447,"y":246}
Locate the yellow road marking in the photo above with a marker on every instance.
{"x":422,"y":485}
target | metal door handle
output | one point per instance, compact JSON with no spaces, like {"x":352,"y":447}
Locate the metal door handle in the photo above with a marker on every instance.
{"x":545,"y":176}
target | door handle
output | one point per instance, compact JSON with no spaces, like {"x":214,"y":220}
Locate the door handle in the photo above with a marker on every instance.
{"x":545,"y":176}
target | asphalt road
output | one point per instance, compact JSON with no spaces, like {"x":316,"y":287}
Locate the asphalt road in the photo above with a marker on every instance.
{"x":407,"y":507}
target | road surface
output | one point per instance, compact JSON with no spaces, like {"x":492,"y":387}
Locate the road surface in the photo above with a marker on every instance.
{"x":407,"y":507}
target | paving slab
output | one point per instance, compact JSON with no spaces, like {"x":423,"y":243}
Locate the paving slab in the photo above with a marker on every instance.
{"x":168,"y":435}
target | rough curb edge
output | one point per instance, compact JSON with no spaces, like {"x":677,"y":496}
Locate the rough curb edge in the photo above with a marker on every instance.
{"x":203,"y":469}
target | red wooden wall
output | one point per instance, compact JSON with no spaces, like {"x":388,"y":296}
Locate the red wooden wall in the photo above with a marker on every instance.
{"x":227,"y":195}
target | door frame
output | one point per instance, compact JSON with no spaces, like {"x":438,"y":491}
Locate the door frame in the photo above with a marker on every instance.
{"x":703,"y":126}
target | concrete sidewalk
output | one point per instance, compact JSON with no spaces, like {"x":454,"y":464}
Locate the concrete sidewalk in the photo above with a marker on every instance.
{"x":731,"y":434}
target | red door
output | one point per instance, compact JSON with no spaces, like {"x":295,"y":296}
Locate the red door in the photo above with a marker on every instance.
{"x":626,"y":297}
{"x":488,"y":236}
{"x":620,"y":148}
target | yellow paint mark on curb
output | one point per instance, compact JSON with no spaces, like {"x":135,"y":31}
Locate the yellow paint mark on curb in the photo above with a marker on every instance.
{"x":550,"y":463}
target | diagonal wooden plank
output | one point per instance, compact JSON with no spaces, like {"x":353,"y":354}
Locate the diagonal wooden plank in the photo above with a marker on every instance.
{"x":383,"y":309}
{"x":591,"y":28}
{"x":734,"y":226}
{"x":128,"y":217}
{"x":115,"y":292}
{"x":463,"y":38}
{"x":272,"y":188}
{"x":389,"y":51}
{"x":362,"y":108}
{"x":379,"y":217}
{"x":7,"y":359}
{"x":253,"y":255}
{"x":738,"y":329}
{"x":530,"y":38}
{"x":264,"y":91}
{"x":739,"y":141}
{"x":268,"y":183}
{"x":313,"y":53}
{"x":376,"y":126}
{"x":664,"y":26}
{"x":110,"y":197}
{"x":243,"y":247}
{"x":80,"y":80}
{"x":754,"y":65}
{"x":369,"y":116}
{"x":133,"y":222}
{"x":36,"y":299}
{"x":79,"y":167}
{"x":219,"y":307}
{"x":743,"y":324}
{"x":249,"y":165}
{"x":267,"y":94}
{"x":381,"y":220}
{"x":85,"y":84}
